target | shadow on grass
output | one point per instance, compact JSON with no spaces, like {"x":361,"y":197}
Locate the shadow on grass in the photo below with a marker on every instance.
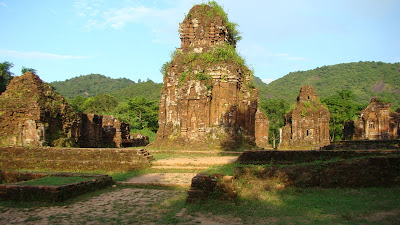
{"x":305,"y":206}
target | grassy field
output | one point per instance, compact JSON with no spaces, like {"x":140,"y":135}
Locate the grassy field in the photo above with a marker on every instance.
{"x":55,"y":181}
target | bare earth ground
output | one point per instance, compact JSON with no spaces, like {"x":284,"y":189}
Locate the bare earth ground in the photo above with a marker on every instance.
{"x":121,"y":206}
{"x":196,"y":161}
{"x":178,"y":179}
{"x":162,"y":179}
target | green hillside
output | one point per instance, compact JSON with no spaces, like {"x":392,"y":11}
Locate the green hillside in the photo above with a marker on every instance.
{"x":149,"y":90}
{"x":364,"y":79}
{"x":95,"y":84}
{"x":90,"y":85}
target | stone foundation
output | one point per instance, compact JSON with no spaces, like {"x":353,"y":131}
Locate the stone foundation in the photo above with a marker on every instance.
{"x":53,"y":193}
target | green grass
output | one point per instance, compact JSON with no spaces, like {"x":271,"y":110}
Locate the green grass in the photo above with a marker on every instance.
{"x":309,"y":206}
{"x":55,"y":181}
{"x":290,"y":206}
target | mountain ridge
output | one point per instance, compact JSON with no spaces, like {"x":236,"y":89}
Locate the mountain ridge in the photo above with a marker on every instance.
{"x":364,"y":79}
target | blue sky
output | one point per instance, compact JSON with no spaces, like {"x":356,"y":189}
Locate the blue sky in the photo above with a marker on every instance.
{"x":62,"y":39}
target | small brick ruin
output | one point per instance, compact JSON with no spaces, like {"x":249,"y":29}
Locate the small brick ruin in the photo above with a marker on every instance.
{"x":307,"y":125}
{"x":214,"y":186}
{"x":205,"y":104}
{"x":107,"y":131}
{"x":33,"y":114}
{"x":376,"y":122}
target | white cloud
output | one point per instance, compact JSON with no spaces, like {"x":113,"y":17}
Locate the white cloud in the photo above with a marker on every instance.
{"x":267,"y":80}
{"x":37,"y":55}
{"x":163,"y":22}
{"x":3,"y":4}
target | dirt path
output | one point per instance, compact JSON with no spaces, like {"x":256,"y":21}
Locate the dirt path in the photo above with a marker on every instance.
{"x":182,"y":163}
{"x":121,"y":206}
{"x":196,"y":161}
{"x":162,"y":179}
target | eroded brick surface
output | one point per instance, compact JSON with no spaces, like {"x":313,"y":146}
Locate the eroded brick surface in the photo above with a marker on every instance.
{"x":307,"y":125}
{"x":207,"y":103}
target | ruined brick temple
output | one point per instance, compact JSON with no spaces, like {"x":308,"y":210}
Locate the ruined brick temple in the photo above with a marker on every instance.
{"x":207,"y":100}
{"x":376,"y":122}
{"x":307,"y":125}
{"x":33,"y":114}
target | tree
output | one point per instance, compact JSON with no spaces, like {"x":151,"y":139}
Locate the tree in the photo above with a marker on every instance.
{"x":276,"y":110}
{"x":102,"y":104}
{"x":342,"y":107}
{"x":77,"y":102}
{"x":139,"y":113}
{"x":25,"y":70}
{"x":5,"y":75}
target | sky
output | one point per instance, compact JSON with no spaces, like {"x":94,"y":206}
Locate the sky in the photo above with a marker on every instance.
{"x":63,"y":39}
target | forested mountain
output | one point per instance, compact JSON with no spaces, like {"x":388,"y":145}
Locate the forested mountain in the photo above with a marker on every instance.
{"x":95,"y":84}
{"x":90,"y":85}
{"x":364,"y":79}
{"x":148,"y":90}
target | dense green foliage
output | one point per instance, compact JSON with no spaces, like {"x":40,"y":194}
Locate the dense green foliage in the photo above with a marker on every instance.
{"x":342,"y":107}
{"x":148,"y":90}
{"x":90,"y":85}
{"x":25,"y":70}
{"x":139,"y":113}
{"x":276,"y":110}
{"x":5,"y":75}
{"x":364,"y":79}
{"x":94,"y":84}
{"x":101,"y":104}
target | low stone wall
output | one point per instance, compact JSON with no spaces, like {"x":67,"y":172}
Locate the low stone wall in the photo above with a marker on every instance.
{"x":290,"y":157}
{"x":73,"y":159}
{"x":214,"y":186}
{"x":14,"y":176}
{"x":364,"y":144}
{"x":354,"y":173}
{"x":53,"y":193}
